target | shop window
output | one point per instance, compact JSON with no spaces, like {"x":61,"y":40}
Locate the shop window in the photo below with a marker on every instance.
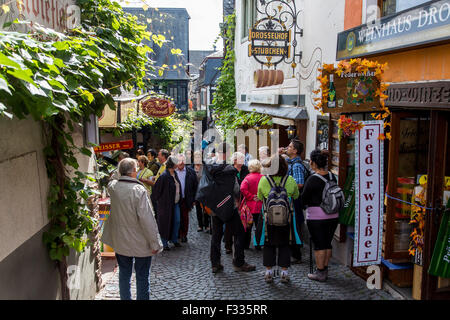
{"x":389,"y":7}
{"x":248,"y":16}
{"x":322,"y":133}
{"x":410,"y":145}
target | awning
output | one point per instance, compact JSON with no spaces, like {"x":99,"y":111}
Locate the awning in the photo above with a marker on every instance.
{"x":279,"y":111}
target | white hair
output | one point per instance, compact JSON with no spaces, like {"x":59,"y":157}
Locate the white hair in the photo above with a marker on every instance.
{"x":264,"y":149}
{"x":239,"y":156}
{"x":127,"y":165}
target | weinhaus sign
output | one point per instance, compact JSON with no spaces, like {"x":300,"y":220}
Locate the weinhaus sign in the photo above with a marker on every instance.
{"x":425,"y":24}
{"x":369,"y":196}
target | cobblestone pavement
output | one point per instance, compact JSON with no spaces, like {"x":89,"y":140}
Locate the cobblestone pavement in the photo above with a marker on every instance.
{"x":185,"y":274}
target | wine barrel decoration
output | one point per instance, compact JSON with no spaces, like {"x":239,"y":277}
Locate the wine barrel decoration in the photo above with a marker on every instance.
{"x":158,"y":107}
{"x":271,"y":81}
{"x":264,"y":78}
{"x":258,"y":78}
{"x":279,"y":77}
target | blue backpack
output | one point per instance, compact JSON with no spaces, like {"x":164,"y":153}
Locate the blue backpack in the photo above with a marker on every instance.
{"x":277,"y":205}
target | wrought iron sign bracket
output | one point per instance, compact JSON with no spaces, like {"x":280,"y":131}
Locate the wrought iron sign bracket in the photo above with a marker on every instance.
{"x":274,"y":37}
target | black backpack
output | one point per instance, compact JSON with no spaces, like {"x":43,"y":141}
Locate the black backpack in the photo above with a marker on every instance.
{"x":277,"y":206}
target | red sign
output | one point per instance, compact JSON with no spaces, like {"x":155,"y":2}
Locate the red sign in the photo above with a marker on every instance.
{"x":120,"y":145}
{"x":158,"y":108}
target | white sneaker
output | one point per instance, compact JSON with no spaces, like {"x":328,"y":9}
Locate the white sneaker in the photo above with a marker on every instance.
{"x":284,"y":277}
{"x":268,"y":277}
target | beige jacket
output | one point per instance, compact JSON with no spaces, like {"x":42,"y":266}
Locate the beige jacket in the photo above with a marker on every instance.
{"x":131,"y":228}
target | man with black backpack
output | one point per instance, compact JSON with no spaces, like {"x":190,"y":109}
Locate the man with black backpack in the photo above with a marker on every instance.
{"x":219,"y":190}
{"x":298,"y":170}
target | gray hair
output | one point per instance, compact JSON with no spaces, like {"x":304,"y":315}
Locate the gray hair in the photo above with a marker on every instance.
{"x":238,"y":156}
{"x":126,"y":166}
{"x":171,"y":162}
{"x":264,"y":149}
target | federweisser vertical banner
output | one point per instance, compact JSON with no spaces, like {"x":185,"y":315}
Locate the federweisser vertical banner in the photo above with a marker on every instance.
{"x":369,"y":195}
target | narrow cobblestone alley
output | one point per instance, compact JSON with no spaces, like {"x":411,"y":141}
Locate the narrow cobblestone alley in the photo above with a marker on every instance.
{"x":185,"y":274}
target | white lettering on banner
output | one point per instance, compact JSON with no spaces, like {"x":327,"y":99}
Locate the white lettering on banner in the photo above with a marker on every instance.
{"x":369,"y":194}
{"x":435,"y":14}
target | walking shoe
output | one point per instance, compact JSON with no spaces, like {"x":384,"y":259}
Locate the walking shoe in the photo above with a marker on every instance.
{"x":317,"y":275}
{"x":217,"y":268}
{"x":245,"y":268}
{"x":284,"y":277}
{"x":268,"y":277}
{"x":177,"y":244}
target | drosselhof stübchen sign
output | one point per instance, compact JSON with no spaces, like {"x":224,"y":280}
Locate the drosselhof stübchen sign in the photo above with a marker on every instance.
{"x":424,"y":24}
{"x":369,"y":196}
{"x":269,"y":41}
{"x":269,"y":35}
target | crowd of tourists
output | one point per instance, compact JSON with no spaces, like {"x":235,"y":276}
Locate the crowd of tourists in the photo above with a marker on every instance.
{"x":239,"y":202}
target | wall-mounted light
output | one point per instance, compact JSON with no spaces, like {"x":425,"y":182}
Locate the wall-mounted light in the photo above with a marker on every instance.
{"x":291,"y":132}
{"x":271,"y":132}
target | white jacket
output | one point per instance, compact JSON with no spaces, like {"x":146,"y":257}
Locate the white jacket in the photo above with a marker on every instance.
{"x":131,"y":228}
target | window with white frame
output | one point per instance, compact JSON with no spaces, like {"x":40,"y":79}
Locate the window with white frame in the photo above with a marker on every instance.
{"x":248,"y":16}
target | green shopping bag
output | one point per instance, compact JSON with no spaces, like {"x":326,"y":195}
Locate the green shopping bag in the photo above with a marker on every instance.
{"x":440,"y":261}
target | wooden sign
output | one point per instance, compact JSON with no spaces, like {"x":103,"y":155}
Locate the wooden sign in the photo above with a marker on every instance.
{"x":157,"y":107}
{"x":434,"y":95}
{"x":110,"y":146}
{"x":355,"y":92}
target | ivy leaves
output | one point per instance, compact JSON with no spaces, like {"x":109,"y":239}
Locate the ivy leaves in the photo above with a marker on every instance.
{"x":60,"y":80}
{"x":227,"y":117}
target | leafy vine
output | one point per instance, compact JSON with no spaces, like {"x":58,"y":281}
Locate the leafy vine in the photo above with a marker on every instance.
{"x":226,"y":115}
{"x":60,"y":80}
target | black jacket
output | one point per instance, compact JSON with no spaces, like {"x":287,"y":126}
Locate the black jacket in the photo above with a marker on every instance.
{"x":190,"y":187}
{"x":216,"y":189}
{"x":164,"y":194}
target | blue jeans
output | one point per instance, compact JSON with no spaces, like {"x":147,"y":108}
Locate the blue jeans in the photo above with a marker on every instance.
{"x":175,"y":226}
{"x":142,"y":268}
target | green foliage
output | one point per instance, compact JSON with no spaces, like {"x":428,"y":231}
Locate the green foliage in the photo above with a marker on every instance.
{"x":61,"y":80}
{"x":226,"y":116}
